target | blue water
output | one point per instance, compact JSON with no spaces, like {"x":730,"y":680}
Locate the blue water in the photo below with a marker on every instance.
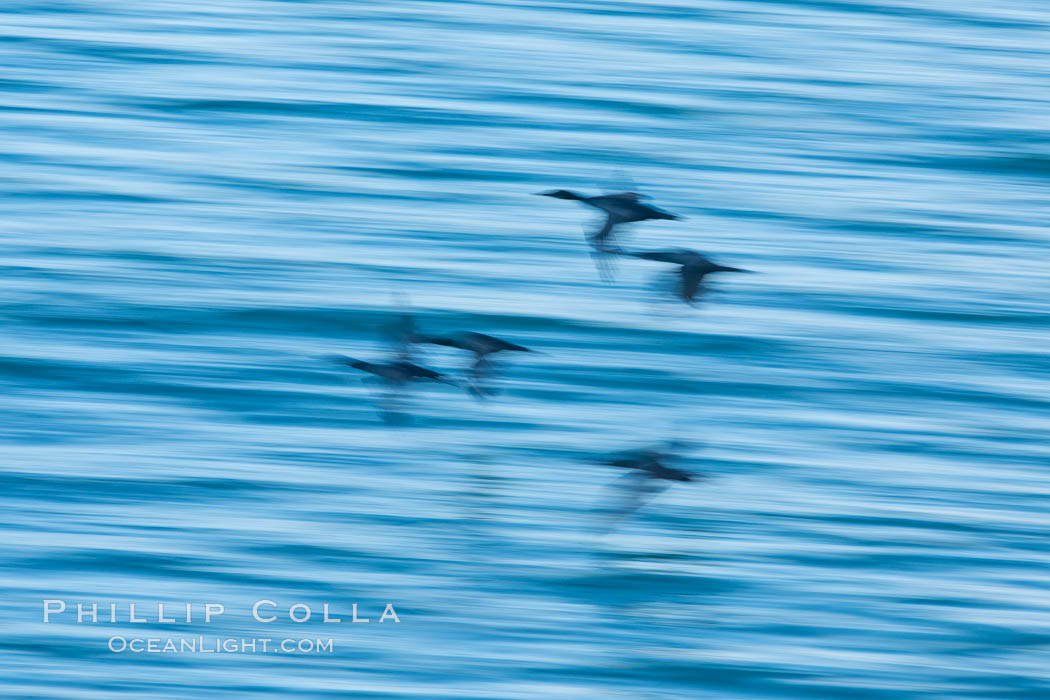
{"x":202,"y":199}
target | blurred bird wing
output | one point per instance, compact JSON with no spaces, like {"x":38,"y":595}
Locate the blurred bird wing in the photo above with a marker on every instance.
{"x":403,"y":331}
{"x":691,"y":279}
{"x":619,"y":182}
{"x":632,"y":491}
{"x":600,"y":238}
{"x":604,"y":263}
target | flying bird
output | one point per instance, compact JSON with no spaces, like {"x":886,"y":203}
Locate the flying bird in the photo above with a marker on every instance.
{"x":692,"y":268}
{"x":651,"y":463}
{"x":395,"y":377}
{"x":482,"y":346}
{"x":398,"y":372}
{"x":619,"y":208}
{"x":649,"y":474}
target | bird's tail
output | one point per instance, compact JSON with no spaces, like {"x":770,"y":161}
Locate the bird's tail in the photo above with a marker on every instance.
{"x":723,"y":268}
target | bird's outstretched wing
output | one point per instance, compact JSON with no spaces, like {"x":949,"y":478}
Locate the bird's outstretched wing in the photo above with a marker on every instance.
{"x":601,"y":238}
{"x":691,"y":279}
{"x":618,"y":180}
{"x":480,"y":372}
{"x":403,"y":331}
{"x":630,"y":492}
{"x":603,"y":245}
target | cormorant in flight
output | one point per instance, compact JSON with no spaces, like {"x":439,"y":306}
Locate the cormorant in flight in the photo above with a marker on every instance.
{"x":650,"y":474}
{"x":693,"y":267}
{"x":482,"y":346}
{"x":398,"y":372}
{"x":395,"y":377}
{"x":619,"y":208}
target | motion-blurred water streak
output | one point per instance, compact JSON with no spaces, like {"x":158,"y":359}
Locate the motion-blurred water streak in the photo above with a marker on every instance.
{"x":201,"y":199}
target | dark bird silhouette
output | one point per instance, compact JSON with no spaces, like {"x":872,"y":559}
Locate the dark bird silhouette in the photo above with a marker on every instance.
{"x":398,"y":372}
{"x":482,"y":346}
{"x":652,"y":464}
{"x":395,"y":377}
{"x":477,"y":343}
{"x":693,"y":267}
{"x":649,"y":475}
{"x":620,"y":208}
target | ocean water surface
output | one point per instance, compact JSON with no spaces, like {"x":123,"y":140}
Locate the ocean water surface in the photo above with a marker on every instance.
{"x":204,"y":199}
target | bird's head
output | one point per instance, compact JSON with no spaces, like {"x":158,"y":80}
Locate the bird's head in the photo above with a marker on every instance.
{"x":559,"y":194}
